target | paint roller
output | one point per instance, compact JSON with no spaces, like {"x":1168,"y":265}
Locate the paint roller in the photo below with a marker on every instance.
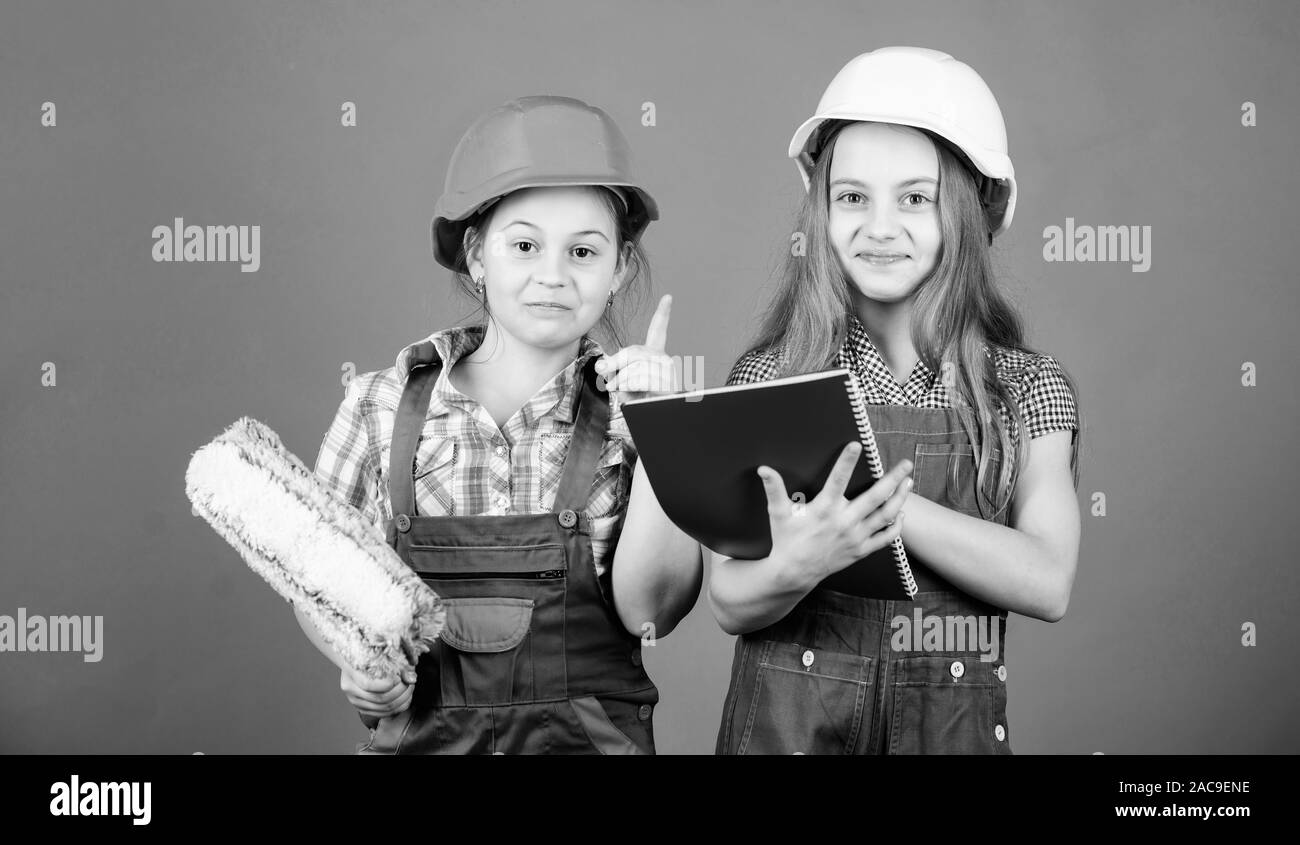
{"x":315,"y":550}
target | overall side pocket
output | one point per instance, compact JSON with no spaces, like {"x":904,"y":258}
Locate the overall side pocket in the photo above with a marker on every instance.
{"x":805,"y":701}
{"x":386,"y":737}
{"x":946,"y":704}
{"x":605,"y":736}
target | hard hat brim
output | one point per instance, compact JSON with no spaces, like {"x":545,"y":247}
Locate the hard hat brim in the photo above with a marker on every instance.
{"x":447,"y":228}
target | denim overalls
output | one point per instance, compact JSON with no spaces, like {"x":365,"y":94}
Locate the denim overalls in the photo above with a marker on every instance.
{"x":533,"y":659}
{"x":827,"y":679}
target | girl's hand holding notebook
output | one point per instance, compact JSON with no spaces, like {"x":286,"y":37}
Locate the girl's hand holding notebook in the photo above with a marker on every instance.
{"x":829,"y":532}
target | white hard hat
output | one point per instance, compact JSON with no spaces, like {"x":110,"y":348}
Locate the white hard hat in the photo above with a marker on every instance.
{"x":927,"y":89}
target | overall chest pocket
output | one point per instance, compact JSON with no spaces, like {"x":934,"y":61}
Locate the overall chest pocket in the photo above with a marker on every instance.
{"x":483,"y":662}
{"x":805,"y":701}
{"x":504,"y":638}
{"x":946,"y":473}
{"x":946,"y":704}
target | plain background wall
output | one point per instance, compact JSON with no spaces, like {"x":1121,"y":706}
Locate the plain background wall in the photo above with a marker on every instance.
{"x":1118,"y":113}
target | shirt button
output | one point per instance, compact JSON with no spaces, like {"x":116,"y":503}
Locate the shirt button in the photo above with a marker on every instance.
{"x":503,"y":502}
{"x":644,"y":712}
{"x":957,"y":669}
{"x":1000,"y":732}
{"x":403,"y":523}
{"x":1002,"y":672}
{"x":568,"y":518}
{"x":808,"y":658}
{"x":636,"y":657}
{"x":500,"y":450}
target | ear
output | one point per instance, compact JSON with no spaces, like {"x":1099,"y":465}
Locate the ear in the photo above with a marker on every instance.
{"x":473,"y":252}
{"x":623,"y":268}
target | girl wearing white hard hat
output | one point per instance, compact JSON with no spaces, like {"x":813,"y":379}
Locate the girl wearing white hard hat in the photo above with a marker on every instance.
{"x":908,"y":181}
{"x":491,"y":456}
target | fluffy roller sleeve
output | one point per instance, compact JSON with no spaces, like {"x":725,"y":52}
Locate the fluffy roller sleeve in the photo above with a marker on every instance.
{"x":315,"y":550}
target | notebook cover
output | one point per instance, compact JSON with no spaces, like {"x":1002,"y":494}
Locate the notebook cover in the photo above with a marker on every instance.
{"x":702,"y":451}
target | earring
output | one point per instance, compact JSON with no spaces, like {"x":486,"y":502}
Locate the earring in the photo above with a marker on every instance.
{"x":478,"y":285}
{"x":610,"y":301}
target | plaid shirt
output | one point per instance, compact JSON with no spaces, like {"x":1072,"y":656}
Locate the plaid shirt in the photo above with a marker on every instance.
{"x":1036,"y":381}
{"x":464,"y":464}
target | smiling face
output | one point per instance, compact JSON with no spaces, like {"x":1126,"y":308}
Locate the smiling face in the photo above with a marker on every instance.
{"x":883,"y":218}
{"x":549,"y":259}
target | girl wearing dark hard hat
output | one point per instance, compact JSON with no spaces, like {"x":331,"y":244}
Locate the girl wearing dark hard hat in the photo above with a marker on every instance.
{"x":493,"y":459}
{"x":908,"y":180}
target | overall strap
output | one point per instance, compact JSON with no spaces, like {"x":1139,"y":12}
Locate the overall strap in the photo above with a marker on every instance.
{"x":407,"y":427}
{"x":589,"y":426}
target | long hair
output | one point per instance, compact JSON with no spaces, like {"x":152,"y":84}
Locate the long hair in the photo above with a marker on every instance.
{"x":957,"y":311}
{"x":627,"y":301}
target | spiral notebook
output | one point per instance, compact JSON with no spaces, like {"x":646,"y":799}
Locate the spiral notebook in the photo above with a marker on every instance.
{"x":702,"y":450}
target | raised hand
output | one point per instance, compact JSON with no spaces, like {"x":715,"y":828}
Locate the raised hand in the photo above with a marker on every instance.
{"x":638,"y":371}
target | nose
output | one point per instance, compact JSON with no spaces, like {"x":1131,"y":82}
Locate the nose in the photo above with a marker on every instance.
{"x":552,"y":270}
{"x":881,"y":223}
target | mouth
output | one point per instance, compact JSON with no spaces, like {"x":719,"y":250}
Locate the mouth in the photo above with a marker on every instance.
{"x":547,"y":306}
{"x":882,"y":259}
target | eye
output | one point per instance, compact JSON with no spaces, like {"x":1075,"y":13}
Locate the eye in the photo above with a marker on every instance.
{"x":519,"y":245}
{"x":847,"y":195}
{"x":583,"y":253}
{"x":920,"y":199}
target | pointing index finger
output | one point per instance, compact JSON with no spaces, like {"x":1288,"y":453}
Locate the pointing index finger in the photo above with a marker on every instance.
{"x":656,"y":337}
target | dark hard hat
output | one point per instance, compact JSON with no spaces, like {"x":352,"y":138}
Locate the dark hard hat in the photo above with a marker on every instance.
{"x":533,"y":142}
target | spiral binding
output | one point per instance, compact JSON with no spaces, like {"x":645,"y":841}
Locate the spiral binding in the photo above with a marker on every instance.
{"x":868,"y":438}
